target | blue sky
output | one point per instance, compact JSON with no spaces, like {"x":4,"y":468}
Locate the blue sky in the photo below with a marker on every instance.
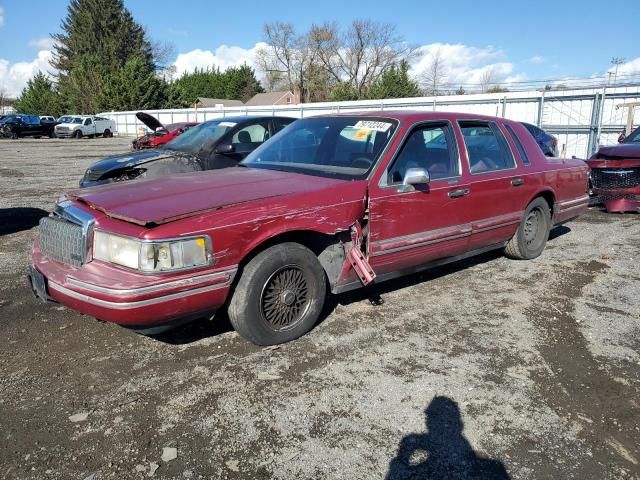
{"x":527,"y":40}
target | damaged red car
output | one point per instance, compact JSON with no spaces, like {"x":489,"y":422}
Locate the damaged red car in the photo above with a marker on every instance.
{"x":330,"y":204}
{"x":160,"y":134}
{"x":615,"y":175}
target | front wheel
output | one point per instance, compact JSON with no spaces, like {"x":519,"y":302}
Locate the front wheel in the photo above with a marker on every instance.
{"x":533,"y":232}
{"x":279,"y":296}
{"x":77,"y":134}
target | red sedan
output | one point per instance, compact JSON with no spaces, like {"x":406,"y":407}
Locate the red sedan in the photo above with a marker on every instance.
{"x":330,"y":204}
{"x":160,"y":134}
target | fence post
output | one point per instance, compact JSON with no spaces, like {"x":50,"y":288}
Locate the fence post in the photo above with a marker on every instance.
{"x":504,"y":106}
{"x":540,"y":109}
{"x":600,"y":115}
{"x":593,"y":123}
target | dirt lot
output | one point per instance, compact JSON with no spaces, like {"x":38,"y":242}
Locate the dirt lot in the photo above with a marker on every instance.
{"x":489,"y":368}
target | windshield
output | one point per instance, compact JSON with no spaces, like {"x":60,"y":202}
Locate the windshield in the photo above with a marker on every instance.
{"x":64,"y":119}
{"x":77,"y":120}
{"x":343,"y":147}
{"x":634,"y":137}
{"x":200,"y":139}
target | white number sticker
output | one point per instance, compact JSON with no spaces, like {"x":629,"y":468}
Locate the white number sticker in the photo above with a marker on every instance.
{"x":373,"y":125}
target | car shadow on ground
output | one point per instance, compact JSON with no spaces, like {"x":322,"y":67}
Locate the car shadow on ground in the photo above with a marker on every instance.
{"x":13,"y":220}
{"x":442,"y":451}
{"x":204,"y":328}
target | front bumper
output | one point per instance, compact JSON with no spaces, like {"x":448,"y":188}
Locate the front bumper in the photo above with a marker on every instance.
{"x":64,"y":134}
{"x":127,"y":298}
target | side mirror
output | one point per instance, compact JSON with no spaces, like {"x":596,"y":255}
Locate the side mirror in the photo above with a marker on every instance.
{"x":414,"y":176}
{"x":622,"y":138}
{"x":224,"y":149}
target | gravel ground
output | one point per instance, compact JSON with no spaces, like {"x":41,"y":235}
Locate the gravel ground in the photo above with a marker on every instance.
{"x":487,"y":368}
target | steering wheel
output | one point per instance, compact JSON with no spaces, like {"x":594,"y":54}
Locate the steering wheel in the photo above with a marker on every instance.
{"x":361,"y":162}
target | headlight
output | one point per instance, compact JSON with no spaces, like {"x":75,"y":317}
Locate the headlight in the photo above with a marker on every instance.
{"x":153,"y":256}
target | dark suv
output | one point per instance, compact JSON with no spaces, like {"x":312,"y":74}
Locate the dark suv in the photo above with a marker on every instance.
{"x":211,"y":145}
{"x":20,"y":125}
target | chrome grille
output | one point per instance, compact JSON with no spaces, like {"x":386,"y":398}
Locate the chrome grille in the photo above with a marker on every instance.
{"x":67,"y":236}
{"x":62,"y":241}
{"x":614,"y":178}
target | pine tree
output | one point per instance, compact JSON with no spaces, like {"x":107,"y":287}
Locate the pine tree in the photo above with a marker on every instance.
{"x":134,"y":87}
{"x":98,"y":38}
{"x":39,"y":97}
{"x":395,"y":83}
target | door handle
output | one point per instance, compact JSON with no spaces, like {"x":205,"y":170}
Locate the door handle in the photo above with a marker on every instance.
{"x":516,"y":182}
{"x":460,"y":192}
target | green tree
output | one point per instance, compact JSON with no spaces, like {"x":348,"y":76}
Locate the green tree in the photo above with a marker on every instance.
{"x":342,"y":92}
{"x":39,"y":97}
{"x":98,"y":38}
{"x":395,"y":83}
{"x":237,"y":83}
{"x":134,"y":87}
{"x":241,"y":83}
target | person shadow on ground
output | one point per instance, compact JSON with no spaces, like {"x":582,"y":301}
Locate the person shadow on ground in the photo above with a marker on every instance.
{"x":442,"y":452}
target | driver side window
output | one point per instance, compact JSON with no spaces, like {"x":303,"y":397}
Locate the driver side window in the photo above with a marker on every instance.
{"x":255,"y":133}
{"x":87,"y":121}
{"x":430,"y":147}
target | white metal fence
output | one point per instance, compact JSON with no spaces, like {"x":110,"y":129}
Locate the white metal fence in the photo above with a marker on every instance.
{"x":581,"y":119}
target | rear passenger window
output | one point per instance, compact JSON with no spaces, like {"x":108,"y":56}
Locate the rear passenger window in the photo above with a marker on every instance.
{"x":487,"y":149}
{"x":516,"y":140}
{"x":432,"y":148}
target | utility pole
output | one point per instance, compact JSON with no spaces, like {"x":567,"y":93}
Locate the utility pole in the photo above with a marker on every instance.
{"x":630,"y":113}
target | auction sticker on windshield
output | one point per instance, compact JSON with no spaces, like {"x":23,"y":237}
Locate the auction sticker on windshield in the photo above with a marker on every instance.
{"x":373,"y":125}
{"x":227,"y":124}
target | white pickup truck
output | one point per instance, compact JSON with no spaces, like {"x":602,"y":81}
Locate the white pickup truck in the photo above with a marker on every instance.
{"x":78,"y":126}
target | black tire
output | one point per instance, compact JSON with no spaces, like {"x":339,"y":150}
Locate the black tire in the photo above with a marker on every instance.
{"x":533,"y":232}
{"x":37,"y":136}
{"x":107,"y":133}
{"x":52,"y":135}
{"x":14,"y":136}
{"x":77,"y":134}
{"x":279,"y":296}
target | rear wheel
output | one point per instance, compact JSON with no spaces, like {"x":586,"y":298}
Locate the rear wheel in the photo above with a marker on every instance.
{"x":279,"y":296}
{"x":533,"y":232}
{"x":107,"y":133}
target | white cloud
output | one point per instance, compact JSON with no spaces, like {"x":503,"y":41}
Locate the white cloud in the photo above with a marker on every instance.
{"x":1,"y":16}
{"x":537,"y":59}
{"x":225,"y":56}
{"x":14,"y":76}
{"x":44,"y":43}
{"x":465,"y":65}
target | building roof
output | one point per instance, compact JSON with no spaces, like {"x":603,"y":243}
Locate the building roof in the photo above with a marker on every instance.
{"x":269,"y":98}
{"x":214,"y":102}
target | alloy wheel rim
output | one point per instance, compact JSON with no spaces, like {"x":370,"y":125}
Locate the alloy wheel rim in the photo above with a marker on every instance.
{"x":285,"y":298}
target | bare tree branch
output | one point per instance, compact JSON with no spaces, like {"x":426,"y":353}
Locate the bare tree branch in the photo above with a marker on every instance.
{"x":434,"y":75}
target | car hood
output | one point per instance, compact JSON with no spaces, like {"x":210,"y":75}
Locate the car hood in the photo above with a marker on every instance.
{"x":131,"y":159}
{"x":624,"y":150}
{"x":162,"y":200}
{"x":149,"y":120}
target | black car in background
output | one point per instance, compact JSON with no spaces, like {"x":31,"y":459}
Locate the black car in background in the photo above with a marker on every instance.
{"x":548,"y":143}
{"x":21,"y":125}
{"x":211,"y":145}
